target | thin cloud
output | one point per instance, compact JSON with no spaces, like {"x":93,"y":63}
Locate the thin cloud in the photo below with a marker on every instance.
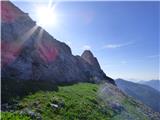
{"x":112,"y":46}
{"x":124,"y":62}
{"x":118,"y":64}
{"x":153,"y":56}
{"x":86,"y":47}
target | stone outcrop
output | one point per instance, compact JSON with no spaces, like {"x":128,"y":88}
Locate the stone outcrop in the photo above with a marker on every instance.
{"x":88,"y":56}
{"x":30,"y":53}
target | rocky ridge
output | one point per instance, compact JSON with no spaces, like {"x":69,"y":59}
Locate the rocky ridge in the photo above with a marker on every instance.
{"x":31,"y":53}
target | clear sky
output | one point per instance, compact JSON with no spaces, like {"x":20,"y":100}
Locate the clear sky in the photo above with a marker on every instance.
{"x":124,"y":36}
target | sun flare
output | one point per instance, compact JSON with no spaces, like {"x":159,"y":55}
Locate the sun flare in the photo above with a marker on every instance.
{"x":46,"y":16}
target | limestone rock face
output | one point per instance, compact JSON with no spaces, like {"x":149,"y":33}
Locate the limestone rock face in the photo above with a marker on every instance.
{"x":88,"y":56}
{"x":30,"y":53}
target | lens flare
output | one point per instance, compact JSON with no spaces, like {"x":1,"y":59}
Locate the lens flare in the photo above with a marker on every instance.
{"x":46,"y":16}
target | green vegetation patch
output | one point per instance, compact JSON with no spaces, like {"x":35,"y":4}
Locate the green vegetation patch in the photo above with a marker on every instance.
{"x":74,"y":102}
{"x":13,"y":116}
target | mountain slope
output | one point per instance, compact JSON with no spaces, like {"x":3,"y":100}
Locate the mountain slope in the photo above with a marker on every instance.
{"x":83,"y":101}
{"x":145,"y":94}
{"x":152,"y":83}
{"x":30,"y":53}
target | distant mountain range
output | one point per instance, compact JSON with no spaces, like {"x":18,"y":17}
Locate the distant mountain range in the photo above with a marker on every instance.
{"x":152,"y":83}
{"x":143,"y":93}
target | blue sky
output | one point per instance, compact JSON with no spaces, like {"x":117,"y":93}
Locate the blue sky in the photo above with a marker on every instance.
{"x":124,"y":36}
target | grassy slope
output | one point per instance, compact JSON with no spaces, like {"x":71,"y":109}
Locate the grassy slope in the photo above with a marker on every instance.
{"x":78,"y":102}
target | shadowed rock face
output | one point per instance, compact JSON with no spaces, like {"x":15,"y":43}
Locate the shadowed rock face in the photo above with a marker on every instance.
{"x":30,"y":53}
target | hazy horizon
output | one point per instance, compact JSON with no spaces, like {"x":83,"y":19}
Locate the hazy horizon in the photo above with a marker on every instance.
{"x":122,"y":35}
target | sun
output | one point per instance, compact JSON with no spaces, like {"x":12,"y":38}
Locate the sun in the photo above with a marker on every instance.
{"x":46,"y":16}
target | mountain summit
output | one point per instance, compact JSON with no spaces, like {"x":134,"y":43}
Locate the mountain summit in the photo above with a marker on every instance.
{"x":30,"y":53}
{"x":88,"y":56}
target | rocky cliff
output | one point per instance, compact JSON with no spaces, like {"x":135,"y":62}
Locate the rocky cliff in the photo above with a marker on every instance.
{"x":88,"y":56}
{"x":30,"y":53}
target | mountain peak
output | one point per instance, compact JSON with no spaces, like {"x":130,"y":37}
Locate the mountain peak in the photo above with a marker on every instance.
{"x":88,"y":56}
{"x":88,"y":53}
